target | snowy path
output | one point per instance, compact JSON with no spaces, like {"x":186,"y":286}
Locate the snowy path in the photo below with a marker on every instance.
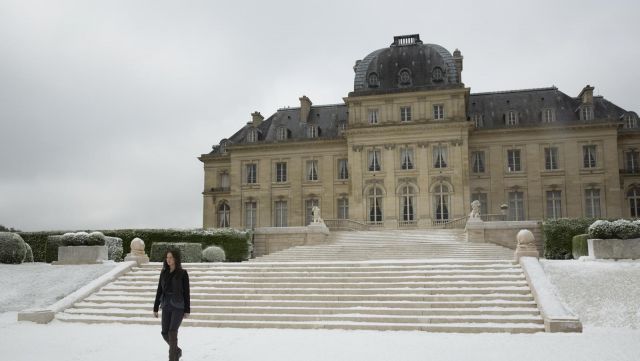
{"x":61,"y":341}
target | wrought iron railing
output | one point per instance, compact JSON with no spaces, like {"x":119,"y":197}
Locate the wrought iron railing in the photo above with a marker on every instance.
{"x":450,"y":223}
{"x":493,"y":217}
{"x":221,"y":189}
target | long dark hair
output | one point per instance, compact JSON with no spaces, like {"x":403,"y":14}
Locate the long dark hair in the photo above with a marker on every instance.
{"x":175,"y":252}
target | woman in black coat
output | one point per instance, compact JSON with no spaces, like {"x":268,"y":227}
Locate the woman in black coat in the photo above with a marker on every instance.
{"x":173,"y":296}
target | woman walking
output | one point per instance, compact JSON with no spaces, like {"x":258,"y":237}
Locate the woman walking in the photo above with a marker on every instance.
{"x":173,"y":297}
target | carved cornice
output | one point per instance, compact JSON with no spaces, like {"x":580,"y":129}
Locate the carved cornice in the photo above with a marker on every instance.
{"x":357,"y":148}
{"x":389,"y":146}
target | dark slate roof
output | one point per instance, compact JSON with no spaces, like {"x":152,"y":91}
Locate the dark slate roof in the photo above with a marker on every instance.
{"x":406,"y":52}
{"x":529,"y":104}
{"x":493,"y":106}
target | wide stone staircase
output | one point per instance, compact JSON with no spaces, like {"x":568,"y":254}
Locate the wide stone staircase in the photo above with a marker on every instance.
{"x":441,"y":289}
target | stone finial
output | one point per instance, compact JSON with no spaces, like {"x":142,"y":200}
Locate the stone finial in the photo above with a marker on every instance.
{"x":137,"y":252}
{"x":526,"y":245}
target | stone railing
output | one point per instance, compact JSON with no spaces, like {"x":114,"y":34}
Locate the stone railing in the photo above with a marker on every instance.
{"x":407,"y":224}
{"x":345,"y":225}
{"x":450,"y":223}
{"x":493,"y":217}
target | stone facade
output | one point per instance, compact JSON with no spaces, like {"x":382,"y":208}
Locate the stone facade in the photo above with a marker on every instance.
{"x":412,"y":147}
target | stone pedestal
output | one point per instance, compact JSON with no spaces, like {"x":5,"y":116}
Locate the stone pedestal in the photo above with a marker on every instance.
{"x":614,"y":248}
{"x":475,"y":230}
{"x":81,"y":255}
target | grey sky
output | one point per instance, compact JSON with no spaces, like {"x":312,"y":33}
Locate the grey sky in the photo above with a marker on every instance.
{"x":105,"y":105}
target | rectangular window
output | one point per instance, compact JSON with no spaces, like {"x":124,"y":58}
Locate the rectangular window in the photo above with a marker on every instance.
{"x":343,"y":169}
{"x":405,"y":114}
{"x":513,"y":160}
{"x":312,"y":170}
{"x":374,"y":160}
{"x":343,"y":208}
{"x":589,"y":156}
{"x":592,"y":203}
{"x":551,"y":158}
{"x":554,"y":204}
{"x":477,"y":162}
{"x":438,"y":112}
{"x":482,"y":198}
{"x":631,"y":161}
{"x":440,"y":156}
{"x":373,"y":116}
{"x":406,"y":158}
{"x":281,"y":172}
{"x":586,"y":113}
{"x":224,"y":180}
{"x":548,"y":115}
{"x":250,"y":214}
{"x":312,"y":131}
{"x":280,"y":214}
{"x":308,"y":207}
{"x":516,"y":206}
{"x":630,"y":122}
{"x":251,"y":171}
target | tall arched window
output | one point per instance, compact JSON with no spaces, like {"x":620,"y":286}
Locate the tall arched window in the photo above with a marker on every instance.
{"x":407,"y":204}
{"x":375,"y":205}
{"x":634,"y":201}
{"x":224,"y":215}
{"x":441,"y":202}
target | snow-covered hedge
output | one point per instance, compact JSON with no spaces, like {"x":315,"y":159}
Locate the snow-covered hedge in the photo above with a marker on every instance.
{"x":28,"y":257}
{"x":558,"y":234}
{"x":12,"y":248}
{"x":114,"y":248}
{"x":190,"y":252}
{"x":72,"y":239}
{"x":213,"y":254}
{"x":620,"y":229}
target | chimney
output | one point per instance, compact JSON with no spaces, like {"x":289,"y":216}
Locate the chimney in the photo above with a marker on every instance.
{"x":586,"y":95}
{"x":256,"y":118}
{"x":305,"y":108}
{"x":457,"y":59}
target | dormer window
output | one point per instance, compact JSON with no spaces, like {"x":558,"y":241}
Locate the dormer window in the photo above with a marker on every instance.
{"x":373,"y":80}
{"x":630,"y":121}
{"x":282,"y":133}
{"x":342,"y":126}
{"x":437,"y":75}
{"x":404,"y":77}
{"x":586,"y":113}
{"x":312,"y":131}
{"x":478,"y":120}
{"x":512,"y":118}
{"x":223,"y":146}
{"x":548,"y":115}
{"x":252,"y":136}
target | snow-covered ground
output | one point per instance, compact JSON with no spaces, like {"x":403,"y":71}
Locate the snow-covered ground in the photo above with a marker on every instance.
{"x":586,"y":287}
{"x":41,"y":284}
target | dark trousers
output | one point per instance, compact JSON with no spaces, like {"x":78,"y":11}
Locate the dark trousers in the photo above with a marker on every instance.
{"x":171,"y":320}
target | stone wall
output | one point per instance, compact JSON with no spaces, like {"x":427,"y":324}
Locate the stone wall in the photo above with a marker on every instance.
{"x":503,"y":233}
{"x":273,"y":239}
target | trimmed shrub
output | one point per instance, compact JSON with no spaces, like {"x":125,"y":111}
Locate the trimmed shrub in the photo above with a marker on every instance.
{"x":213,"y":254}
{"x":579,"y":246}
{"x":28,"y":257}
{"x":72,"y":239}
{"x":12,"y":248}
{"x":235,"y":243}
{"x":601,"y":229}
{"x":559,"y":233}
{"x":114,"y":248}
{"x":38,"y":243}
{"x":623,"y":229}
{"x":191,"y":252}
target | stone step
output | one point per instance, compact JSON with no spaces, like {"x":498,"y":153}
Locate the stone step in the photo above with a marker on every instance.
{"x":325,"y":310}
{"x":201,"y":280}
{"x":323,"y":296}
{"x":451,"y":327}
{"x":321,"y":317}
{"x":148,"y":300}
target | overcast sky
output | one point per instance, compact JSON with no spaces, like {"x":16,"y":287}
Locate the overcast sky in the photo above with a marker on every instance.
{"x":105,"y":105}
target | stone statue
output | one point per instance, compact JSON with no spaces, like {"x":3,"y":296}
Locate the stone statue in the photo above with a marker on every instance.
{"x":315,"y":211}
{"x":475,"y":210}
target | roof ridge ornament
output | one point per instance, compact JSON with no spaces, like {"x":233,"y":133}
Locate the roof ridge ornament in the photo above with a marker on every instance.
{"x":406,"y":40}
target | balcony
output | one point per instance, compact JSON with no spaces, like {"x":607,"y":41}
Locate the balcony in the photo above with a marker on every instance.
{"x":221,"y":190}
{"x":630,"y":171}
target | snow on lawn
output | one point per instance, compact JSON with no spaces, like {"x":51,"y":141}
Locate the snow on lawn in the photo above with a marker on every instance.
{"x":601,"y":293}
{"x":30,"y":285}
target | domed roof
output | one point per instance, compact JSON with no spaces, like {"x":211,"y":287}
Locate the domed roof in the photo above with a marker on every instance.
{"x":407,"y":64}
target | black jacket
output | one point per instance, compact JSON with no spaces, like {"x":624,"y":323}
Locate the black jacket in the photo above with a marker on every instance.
{"x":177,"y":289}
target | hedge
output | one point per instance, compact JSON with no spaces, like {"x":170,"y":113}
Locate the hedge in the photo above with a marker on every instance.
{"x":235,"y":243}
{"x":558,"y":234}
{"x":190,"y":252}
{"x":579,"y":246}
